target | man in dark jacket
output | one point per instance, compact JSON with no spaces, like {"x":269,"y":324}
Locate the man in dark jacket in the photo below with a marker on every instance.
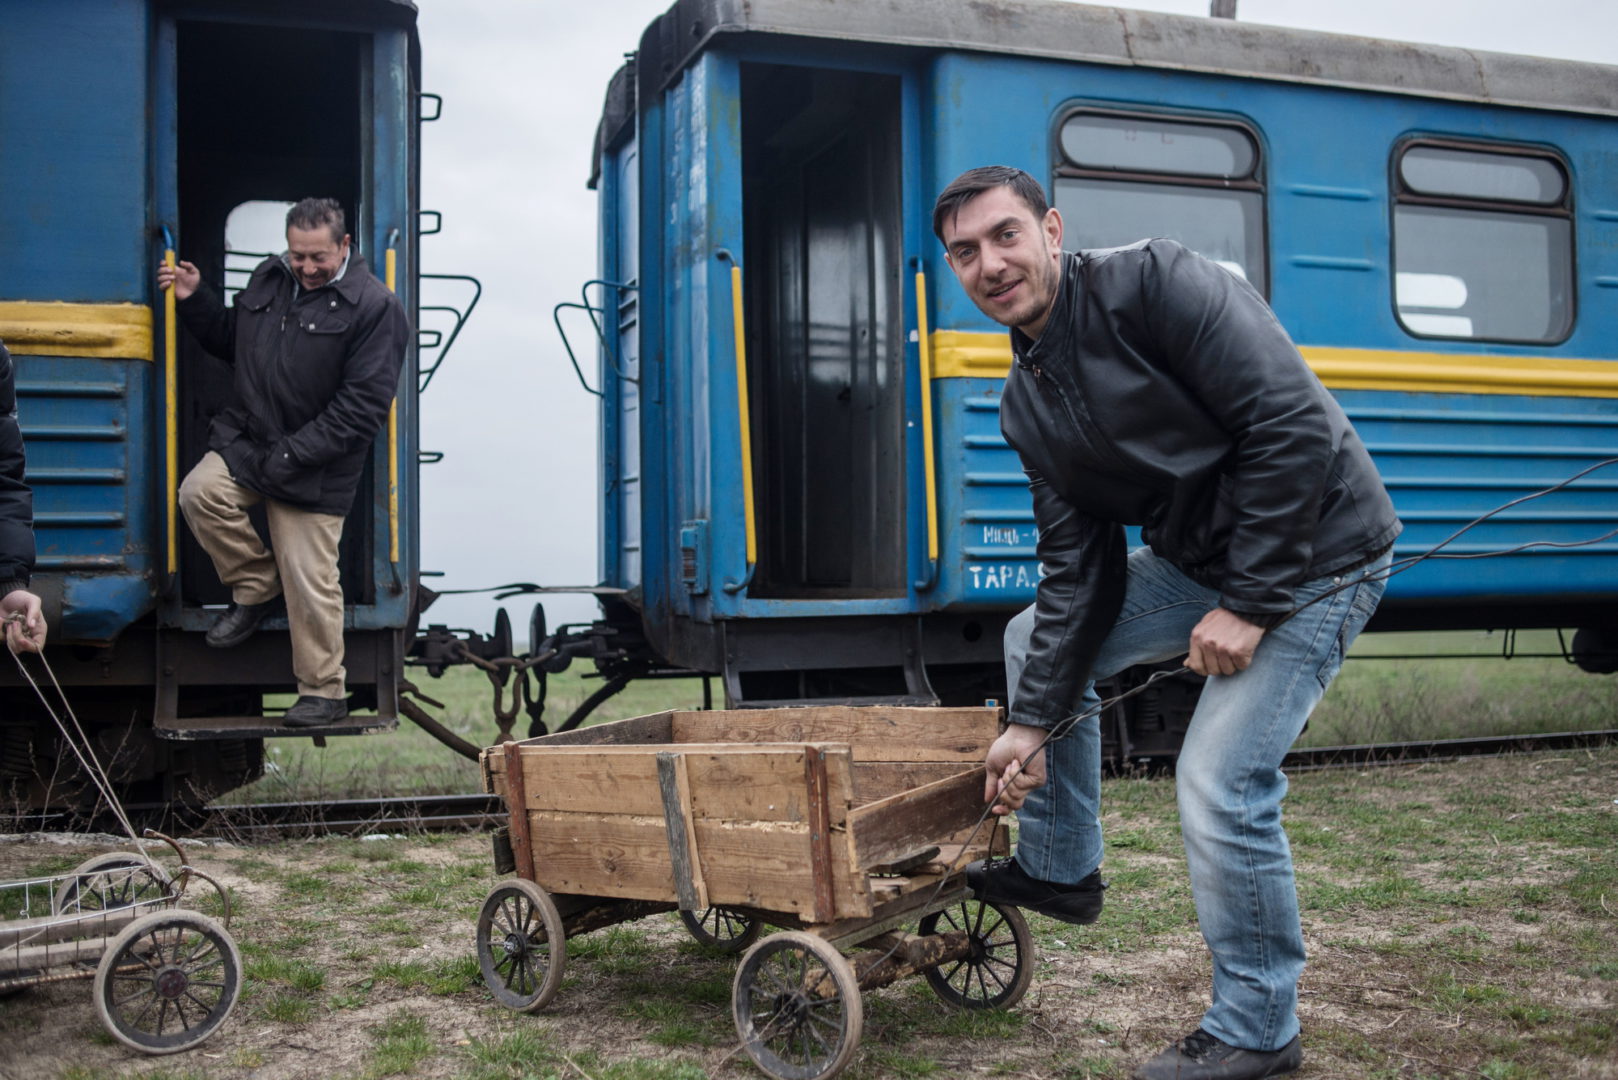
{"x":1152,"y":387}
{"x":317,"y":343}
{"x":19,"y":608}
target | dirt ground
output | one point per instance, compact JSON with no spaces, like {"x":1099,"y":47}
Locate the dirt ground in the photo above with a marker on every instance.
{"x":1460,"y":920}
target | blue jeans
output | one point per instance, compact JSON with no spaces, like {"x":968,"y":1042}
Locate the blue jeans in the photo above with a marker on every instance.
{"x":1228,"y":780}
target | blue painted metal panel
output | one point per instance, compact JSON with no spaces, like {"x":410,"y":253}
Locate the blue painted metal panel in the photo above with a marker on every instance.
{"x":83,"y":421}
{"x":392,"y":116}
{"x":73,"y":174}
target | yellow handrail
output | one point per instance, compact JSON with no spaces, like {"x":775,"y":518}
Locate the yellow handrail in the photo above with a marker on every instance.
{"x":391,"y":262}
{"x":928,"y":465}
{"x":171,"y":418}
{"x":745,"y":416}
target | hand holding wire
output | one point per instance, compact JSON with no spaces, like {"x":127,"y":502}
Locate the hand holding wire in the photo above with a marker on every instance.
{"x":1223,"y":643}
{"x":23,"y":620}
{"x":1014,"y":766}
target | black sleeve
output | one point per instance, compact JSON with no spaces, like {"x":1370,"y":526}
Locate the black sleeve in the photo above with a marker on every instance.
{"x":359,"y":409}
{"x":1223,"y":342}
{"x":16,"y":502}
{"x":210,"y":322}
{"x":1074,"y":609}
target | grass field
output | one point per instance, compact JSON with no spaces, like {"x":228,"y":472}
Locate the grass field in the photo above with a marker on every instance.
{"x":1373,"y":700}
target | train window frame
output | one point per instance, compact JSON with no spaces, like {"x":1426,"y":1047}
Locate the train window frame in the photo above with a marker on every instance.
{"x":1064,"y":167}
{"x":1403,"y":195}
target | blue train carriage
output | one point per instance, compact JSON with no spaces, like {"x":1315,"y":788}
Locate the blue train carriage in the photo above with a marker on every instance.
{"x":804,"y":484}
{"x":132,"y":128}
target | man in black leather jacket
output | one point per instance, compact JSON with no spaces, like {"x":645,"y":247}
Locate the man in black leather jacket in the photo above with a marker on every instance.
{"x":317,"y":343}
{"x":19,"y":609}
{"x":1153,"y":387}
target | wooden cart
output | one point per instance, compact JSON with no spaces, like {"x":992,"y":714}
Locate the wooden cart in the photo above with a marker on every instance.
{"x":843,"y":825}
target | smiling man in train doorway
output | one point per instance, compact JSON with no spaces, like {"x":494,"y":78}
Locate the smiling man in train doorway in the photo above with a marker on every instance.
{"x":1153,"y":387}
{"x":316,"y":343}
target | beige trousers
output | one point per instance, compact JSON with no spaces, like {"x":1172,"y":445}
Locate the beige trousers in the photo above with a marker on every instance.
{"x":303,"y":565}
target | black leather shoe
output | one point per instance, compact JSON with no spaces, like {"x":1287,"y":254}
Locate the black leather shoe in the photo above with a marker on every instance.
{"x":237,"y":624}
{"x":311,"y":711}
{"x":1002,"y":881}
{"x":1200,"y":1056}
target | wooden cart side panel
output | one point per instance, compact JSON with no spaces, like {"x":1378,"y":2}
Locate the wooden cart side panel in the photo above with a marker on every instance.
{"x":745,"y":864}
{"x":874,"y":734}
{"x":894,"y":828}
{"x":763,"y":783}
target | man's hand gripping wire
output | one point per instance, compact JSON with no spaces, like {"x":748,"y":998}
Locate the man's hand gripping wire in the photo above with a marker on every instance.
{"x":23,"y":627}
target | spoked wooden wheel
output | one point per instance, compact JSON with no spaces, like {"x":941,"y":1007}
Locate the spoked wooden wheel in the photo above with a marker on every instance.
{"x":999,"y":967}
{"x":168,"y":981}
{"x":721,"y":928}
{"x":113,"y":879}
{"x":797,"y":1007}
{"x":521,"y":945}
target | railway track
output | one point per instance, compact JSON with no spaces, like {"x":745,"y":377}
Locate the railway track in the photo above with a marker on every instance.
{"x":445,"y":813}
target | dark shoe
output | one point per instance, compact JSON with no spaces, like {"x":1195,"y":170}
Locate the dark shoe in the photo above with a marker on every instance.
{"x":311,"y":711}
{"x":237,"y":624}
{"x":1002,"y":881}
{"x":1200,"y":1056}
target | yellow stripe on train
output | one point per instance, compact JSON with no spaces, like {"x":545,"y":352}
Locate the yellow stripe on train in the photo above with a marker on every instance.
{"x":960,"y":354}
{"x":55,"y":328}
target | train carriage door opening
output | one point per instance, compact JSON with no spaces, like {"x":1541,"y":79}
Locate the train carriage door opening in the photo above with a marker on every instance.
{"x":821,"y":178}
{"x":266,"y":116}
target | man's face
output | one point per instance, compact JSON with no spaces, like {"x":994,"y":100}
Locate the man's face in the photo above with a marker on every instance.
{"x":314,"y":255}
{"x":1006,"y":260}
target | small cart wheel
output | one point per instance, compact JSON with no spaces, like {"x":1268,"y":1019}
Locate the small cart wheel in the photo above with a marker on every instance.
{"x":168,"y":981}
{"x":521,"y":945}
{"x":797,"y":1007}
{"x":722,"y":928}
{"x":113,"y":879}
{"x":999,"y":967}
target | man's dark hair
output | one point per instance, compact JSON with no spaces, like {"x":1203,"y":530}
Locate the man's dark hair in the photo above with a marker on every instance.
{"x":974,"y":182}
{"x":312,"y":213}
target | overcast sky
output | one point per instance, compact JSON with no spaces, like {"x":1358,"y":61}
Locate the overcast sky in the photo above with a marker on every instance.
{"x":515,"y":497}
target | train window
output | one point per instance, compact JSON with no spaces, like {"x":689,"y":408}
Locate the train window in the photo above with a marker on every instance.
{"x":1132,"y":145}
{"x":1122,"y":177}
{"x":1482,"y":244}
{"x":254,"y":230}
{"x":1470,"y":174}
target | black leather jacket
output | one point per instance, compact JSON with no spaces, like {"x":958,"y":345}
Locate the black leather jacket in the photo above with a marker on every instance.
{"x":315,"y":372}
{"x":16,"y":503}
{"x":1163,"y":393}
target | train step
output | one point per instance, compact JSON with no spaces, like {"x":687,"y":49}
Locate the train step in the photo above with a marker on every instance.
{"x":190,"y":728}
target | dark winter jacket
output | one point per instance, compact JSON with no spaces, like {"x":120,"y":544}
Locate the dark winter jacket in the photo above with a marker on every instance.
{"x":16,"y":503}
{"x":1163,"y":393}
{"x":315,"y":375}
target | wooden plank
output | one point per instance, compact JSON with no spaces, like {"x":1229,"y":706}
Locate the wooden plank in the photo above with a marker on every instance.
{"x":763,"y":783}
{"x":875,"y":733}
{"x":851,"y":890}
{"x":889,"y":830}
{"x":516,"y":800}
{"x":763,"y":865}
{"x":876,"y":780}
{"x":653,"y":728}
{"x":492,"y":768}
{"x":814,"y":768}
{"x":685,"y":860}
